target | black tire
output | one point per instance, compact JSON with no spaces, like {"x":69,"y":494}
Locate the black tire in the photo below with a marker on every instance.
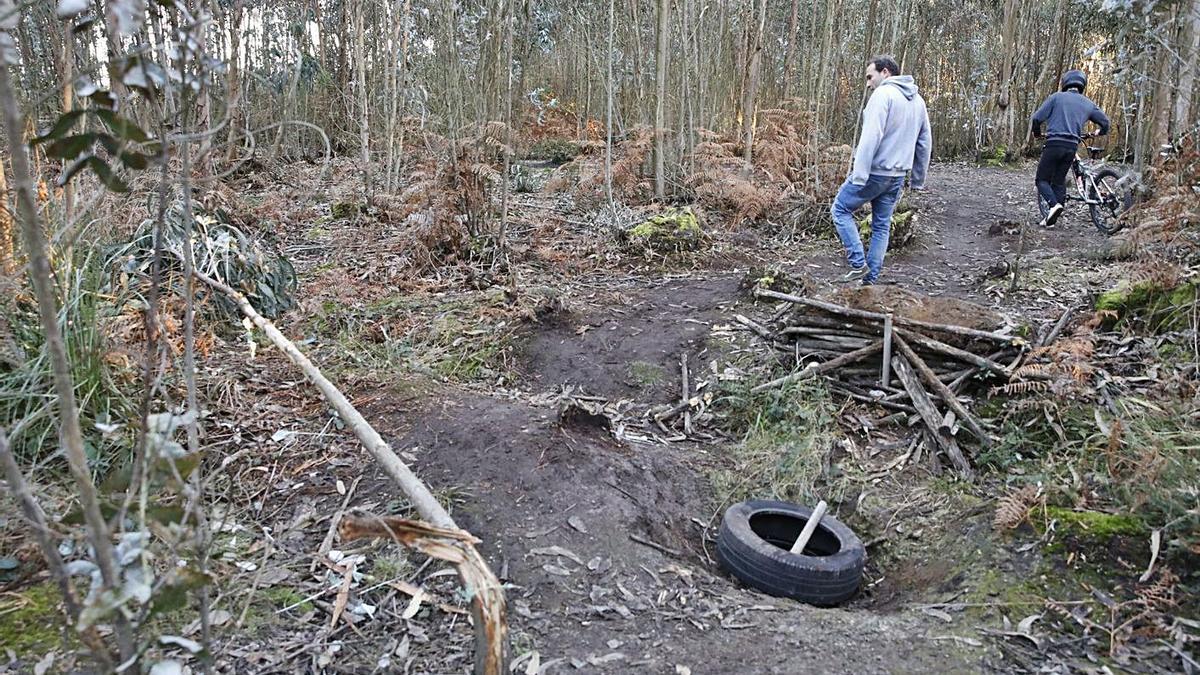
{"x":1113,"y":202}
{"x":754,"y":544}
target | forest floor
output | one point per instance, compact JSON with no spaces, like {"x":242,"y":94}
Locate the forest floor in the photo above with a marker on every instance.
{"x":565,"y":508}
{"x":604,"y":532}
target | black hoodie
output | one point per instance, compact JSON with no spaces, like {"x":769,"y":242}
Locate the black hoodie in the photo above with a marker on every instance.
{"x":1064,"y":115}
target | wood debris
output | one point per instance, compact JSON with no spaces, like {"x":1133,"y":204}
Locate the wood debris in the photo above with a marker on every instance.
{"x":858,"y":351}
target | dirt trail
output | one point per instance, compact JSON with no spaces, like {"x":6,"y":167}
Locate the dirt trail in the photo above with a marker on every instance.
{"x":603,"y":602}
{"x":969,"y":227}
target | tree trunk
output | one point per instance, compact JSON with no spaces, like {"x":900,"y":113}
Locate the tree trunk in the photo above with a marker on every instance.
{"x":1160,"y":116}
{"x":869,"y":34}
{"x":790,"y":55}
{"x":8,"y":266}
{"x":1189,"y":53}
{"x":70,"y":432}
{"x":360,"y":69}
{"x":233,"y":91}
{"x":826,"y":57}
{"x":660,"y":88}
{"x":114,"y":52}
{"x":608,"y":115}
{"x":1008,"y":34}
{"x":752,"y":78}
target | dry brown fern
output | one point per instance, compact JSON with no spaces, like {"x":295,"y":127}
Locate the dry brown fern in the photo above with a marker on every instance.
{"x":1026,"y":387}
{"x":1159,"y":596}
{"x":1013,"y":508}
{"x":1033,"y":371}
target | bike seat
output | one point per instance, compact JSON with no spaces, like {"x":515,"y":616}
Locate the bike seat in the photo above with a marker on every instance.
{"x":1095,"y":152}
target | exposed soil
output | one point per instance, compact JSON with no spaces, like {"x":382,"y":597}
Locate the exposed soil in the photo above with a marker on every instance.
{"x":627,"y":349}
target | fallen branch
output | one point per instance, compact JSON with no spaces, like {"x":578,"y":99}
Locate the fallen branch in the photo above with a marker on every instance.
{"x":491,"y":628}
{"x":685,"y":394}
{"x":929,"y":415}
{"x":859,"y":394}
{"x":654,"y":545}
{"x":327,"y":542}
{"x":878,"y":317}
{"x":754,"y":326}
{"x":953,"y":352}
{"x":812,"y":370}
{"x":1058,"y":326}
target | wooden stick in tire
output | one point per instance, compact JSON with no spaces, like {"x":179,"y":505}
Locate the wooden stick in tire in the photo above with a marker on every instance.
{"x":809,"y":528}
{"x":488,"y":606}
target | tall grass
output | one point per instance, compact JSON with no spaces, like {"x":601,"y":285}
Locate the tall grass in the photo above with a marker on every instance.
{"x":102,"y":383}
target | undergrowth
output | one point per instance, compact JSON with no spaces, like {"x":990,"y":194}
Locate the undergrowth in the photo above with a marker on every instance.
{"x":1145,"y":460}
{"x":102,"y":371}
{"x":787,"y":437}
{"x":461,"y":340}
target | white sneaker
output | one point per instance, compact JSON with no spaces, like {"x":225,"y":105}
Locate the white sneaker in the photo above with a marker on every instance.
{"x":855,"y":274}
{"x":1053,"y":214}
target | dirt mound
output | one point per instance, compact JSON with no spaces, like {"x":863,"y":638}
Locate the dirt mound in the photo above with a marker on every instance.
{"x":918,"y":306}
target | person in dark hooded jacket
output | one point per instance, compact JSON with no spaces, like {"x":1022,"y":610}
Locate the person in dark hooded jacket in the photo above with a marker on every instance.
{"x":1063,"y":115}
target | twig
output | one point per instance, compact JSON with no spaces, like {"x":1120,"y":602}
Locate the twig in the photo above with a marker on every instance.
{"x":327,"y":542}
{"x":1017,"y":259}
{"x":653,"y":545}
{"x":1058,"y":326}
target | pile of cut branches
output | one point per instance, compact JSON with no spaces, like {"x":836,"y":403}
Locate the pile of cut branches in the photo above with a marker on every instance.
{"x":859,"y":352}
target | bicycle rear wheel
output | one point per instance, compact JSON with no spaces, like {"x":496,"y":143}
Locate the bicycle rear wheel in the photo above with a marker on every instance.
{"x":1107,"y":200}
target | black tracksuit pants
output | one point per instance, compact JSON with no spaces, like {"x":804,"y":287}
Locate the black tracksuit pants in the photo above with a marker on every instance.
{"x":1052,"y":171}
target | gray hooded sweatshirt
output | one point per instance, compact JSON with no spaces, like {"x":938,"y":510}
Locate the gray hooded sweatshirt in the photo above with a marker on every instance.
{"x":895,"y":134}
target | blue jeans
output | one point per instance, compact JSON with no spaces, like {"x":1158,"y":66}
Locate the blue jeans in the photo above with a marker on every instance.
{"x":883,"y":192}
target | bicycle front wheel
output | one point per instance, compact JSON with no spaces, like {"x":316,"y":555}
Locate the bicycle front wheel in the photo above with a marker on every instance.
{"x":1107,"y":201}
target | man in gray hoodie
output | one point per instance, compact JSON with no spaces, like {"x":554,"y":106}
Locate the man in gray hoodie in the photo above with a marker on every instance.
{"x":895,"y":139}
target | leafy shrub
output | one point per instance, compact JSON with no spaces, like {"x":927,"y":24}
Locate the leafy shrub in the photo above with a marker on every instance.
{"x":220,"y":250}
{"x":556,"y":150}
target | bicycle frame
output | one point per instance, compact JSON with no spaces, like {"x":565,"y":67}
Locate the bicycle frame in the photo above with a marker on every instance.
{"x":1083,"y":181}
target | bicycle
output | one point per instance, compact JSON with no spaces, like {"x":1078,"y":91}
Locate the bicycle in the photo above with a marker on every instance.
{"x":1101,"y":188}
